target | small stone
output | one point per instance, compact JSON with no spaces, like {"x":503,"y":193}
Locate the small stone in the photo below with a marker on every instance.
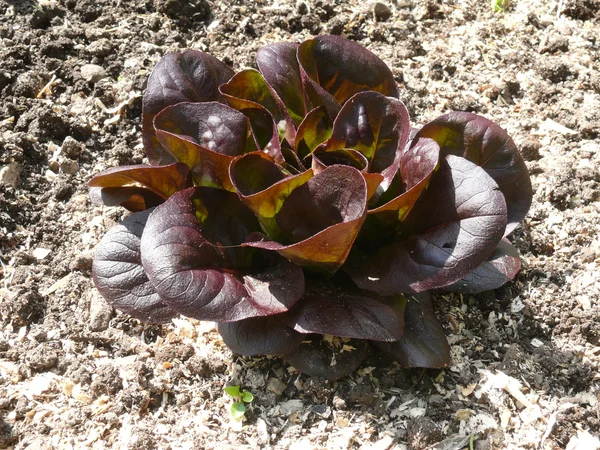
{"x":339,"y":403}
{"x":101,"y":47}
{"x":423,"y":433}
{"x":28,"y":84}
{"x":54,"y":165}
{"x":71,"y":148}
{"x":92,"y":73}
{"x":10,"y":174}
{"x":276,"y":386}
{"x":100,"y":312}
{"x":382,"y":12}
{"x":69,"y":166}
{"x":41,"y":253}
{"x":362,"y":395}
{"x":81,"y":262}
{"x":171,"y":352}
{"x":43,"y":357}
{"x":262,"y":431}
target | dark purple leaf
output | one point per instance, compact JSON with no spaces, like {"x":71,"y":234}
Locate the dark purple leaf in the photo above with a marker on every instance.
{"x":320,"y":221}
{"x":212,"y":125}
{"x":279,"y":65}
{"x":315,"y":96}
{"x":132,"y":198}
{"x":418,"y":163}
{"x":424,"y":343}
{"x":314,"y":130}
{"x":248,"y":90}
{"x":264,"y":131}
{"x":318,"y":357}
{"x":162,"y":180}
{"x":341,"y":68}
{"x":455,"y":225}
{"x":259,"y":336}
{"x":484,"y":143}
{"x":292,"y":163}
{"x":502,"y":266}
{"x":326,"y":308}
{"x":188,"y":76}
{"x":118,"y":274}
{"x":323,"y":158}
{"x":192,"y":255}
{"x":206,"y":137}
{"x":376,"y":126}
{"x":263,"y":187}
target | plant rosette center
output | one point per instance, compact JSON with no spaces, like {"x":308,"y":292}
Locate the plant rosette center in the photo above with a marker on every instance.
{"x":295,"y":206}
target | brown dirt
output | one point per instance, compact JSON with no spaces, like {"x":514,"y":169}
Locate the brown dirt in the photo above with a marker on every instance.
{"x":75,"y":374}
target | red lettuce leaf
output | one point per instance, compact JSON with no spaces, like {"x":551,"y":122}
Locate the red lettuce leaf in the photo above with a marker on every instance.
{"x":484,"y":143}
{"x":191,"y":253}
{"x":119,"y":276}
{"x":265,"y":133}
{"x":188,"y":76}
{"x":502,"y":266}
{"x":206,"y":137}
{"x":315,"y":96}
{"x":133,"y":198}
{"x":279,"y":65}
{"x":323,"y":158}
{"x":320,"y":220}
{"x":327,"y":308}
{"x":455,"y":225}
{"x":376,"y":126}
{"x":259,"y":336}
{"x":248,"y":92}
{"x":418,"y":163}
{"x":315,"y":129}
{"x":424,"y":343}
{"x":315,"y":357}
{"x":341,"y":68}
{"x":162,"y":180}
{"x":263,"y":188}
{"x":212,"y":125}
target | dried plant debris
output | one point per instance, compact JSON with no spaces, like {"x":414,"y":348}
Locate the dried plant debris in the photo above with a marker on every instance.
{"x":77,"y":374}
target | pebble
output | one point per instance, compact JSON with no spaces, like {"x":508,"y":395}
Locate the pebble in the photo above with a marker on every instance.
{"x":93,"y":73}
{"x":382,"y":11}
{"x":69,"y":166}
{"x":43,"y":357}
{"x":54,"y":165}
{"x":101,"y":47}
{"x":28,"y":84}
{"x":276,"y":386}
{"x":422,"y":433}
{"x":10,"y":174}
{"x":100,"y":312}
{"x":41,"y":253}
{"x":72,"y":148}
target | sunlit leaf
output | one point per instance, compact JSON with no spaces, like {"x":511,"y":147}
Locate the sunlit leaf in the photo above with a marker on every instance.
{"x":192,"y":255}
{"x":162,"y":180}
{"x":188,"y":76}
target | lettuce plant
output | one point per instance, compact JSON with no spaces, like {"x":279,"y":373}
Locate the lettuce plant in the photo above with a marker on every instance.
{"x":295,"y":206}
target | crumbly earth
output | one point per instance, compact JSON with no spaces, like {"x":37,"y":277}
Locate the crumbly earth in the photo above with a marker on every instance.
{"x":76,"y":374}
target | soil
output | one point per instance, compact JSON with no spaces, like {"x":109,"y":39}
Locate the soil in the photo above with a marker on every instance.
{"x":76,"y":374}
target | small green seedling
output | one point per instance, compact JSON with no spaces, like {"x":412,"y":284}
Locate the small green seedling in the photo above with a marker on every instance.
{"x":238,"y":407}
{"x":499,"y":5}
